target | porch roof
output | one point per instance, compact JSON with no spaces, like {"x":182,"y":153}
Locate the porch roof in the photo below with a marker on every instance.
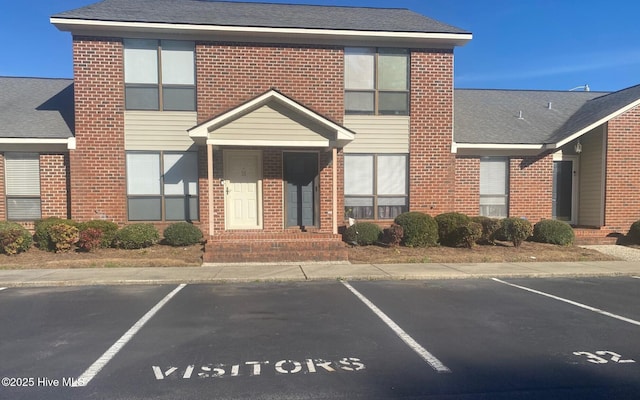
{"x":272,"y":120}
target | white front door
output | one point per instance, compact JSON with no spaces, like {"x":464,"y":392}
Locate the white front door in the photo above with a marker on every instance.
{"x":243,"y":189}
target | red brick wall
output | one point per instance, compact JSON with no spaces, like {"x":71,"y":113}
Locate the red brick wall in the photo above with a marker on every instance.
{"x":272,"y":191}
{"x":467,"y":199}
{"x":231,"y":74}
{"x":3,"y":198}
{"x":431,"y":163}
{"x":98,"y":182}
{"x":622,"y":197}
{"x":530,"y":187}
{"x":54,"y":195}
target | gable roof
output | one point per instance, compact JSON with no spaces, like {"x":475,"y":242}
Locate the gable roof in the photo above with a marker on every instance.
{"x":314,"y":130}
{"x":36,"y":108}
{"x":202,"y":16}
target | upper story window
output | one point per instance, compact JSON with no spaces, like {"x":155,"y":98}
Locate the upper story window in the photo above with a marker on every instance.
{"x":376,"y":81}
{"x":159,"y":75}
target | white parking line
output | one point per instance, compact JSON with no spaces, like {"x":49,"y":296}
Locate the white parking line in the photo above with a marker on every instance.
{"x":586,"y":307}
{"x":2,"y":288}
{"x":637,"y":277}
{"x":93,"y":370}
{"x":415,"y":346}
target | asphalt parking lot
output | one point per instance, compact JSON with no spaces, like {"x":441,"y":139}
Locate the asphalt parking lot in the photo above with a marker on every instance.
{"x":527,"y":338}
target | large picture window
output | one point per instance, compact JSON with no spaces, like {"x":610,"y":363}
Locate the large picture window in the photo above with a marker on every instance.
{"x":376,"y":81}
{"x":162,"y":186}
{"x":159,"y":75}
{"x":494,"y":187}
{"x":375,"y":185}
{"x":22,"y":186}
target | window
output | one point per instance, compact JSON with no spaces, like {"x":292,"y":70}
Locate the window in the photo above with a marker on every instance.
{"x":494,"y":187}
{"x":375,"y":185}
{"x":162,"y":186}
{"x":22,"y":186}
{"x":376,"y":82}
{"x":159,"y":75}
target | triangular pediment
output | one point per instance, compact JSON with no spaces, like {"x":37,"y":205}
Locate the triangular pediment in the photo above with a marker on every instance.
{"x":272,"y":120}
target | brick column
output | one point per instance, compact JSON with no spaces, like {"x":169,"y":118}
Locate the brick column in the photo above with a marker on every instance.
{"x":98,"y":179}
{"x":431,"y":163}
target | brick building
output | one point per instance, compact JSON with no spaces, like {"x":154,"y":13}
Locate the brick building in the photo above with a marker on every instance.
{"x":268,"y":125}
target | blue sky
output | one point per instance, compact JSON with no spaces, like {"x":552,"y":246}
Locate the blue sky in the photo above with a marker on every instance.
{"x":517,"y":44}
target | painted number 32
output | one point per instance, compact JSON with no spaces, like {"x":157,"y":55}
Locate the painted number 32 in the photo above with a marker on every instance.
{"x":603,"y":357}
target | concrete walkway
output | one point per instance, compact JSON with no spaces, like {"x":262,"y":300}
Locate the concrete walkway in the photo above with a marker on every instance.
{"x":308,"y":272}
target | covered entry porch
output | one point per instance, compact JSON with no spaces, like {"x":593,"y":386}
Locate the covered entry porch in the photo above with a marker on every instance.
{"x":274,"y":192}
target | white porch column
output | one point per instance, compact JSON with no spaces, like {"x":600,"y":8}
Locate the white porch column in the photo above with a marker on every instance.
{"x":334,"y":171}
{"x":210,"y":186}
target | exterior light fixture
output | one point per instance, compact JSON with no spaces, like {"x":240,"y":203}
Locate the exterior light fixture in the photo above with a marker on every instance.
{"x":578,"y":147}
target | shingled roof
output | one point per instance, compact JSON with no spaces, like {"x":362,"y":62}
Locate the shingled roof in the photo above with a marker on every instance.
{"x":534,"y":117}
{"x":265,"y":15}
{"x":38,"y":108}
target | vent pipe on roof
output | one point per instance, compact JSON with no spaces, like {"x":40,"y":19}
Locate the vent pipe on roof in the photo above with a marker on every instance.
{"x":520,"y":115}
{"x":549,"y":104}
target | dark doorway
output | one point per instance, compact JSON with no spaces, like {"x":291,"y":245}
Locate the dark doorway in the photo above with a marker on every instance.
{"x":301,"y":177}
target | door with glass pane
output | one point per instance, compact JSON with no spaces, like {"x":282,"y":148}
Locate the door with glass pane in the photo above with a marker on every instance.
{"x":301,"y":181}
{"x":563,"y":196}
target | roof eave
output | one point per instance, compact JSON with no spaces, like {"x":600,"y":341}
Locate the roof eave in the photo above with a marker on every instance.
{"x":69,"y":143}
{"x":290,"y":35}
{"x":592,"y":126}
{"x":486,"y":149}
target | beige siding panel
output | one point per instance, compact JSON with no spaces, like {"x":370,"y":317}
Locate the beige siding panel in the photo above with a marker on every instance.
{"x":159,"y":130}
{"x":272,"y":123}
{"x":591,"y":206}
{"x":378,"y":134}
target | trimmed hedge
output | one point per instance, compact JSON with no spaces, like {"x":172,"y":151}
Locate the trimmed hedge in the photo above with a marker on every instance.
{"x":450,"y":228}
{"x":362,"y":233}
{"x":136,"y":236}
{"x":516,"y":230}
{"x":182,"y":234}
{"x":108,"y":230}
{"x":419,"y":229}
{"x":490,"y":227}
{"x":634,"y":233}
{"x":554,"y":232}
{"x":469,"y":234}
{"x":14,"y":238}
{"x":63,"y":237}
{"x":42,"y":235}
{"x":393,"y":235}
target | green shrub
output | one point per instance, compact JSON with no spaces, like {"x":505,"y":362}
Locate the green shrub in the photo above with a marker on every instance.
{"x":63,"y":237}
{"x":393,"y":235}
{"x":362,"y":233}
{"x":90,"y":239}
{"x":449,"y":228}
{"x":136,"y":236}
{"x":42,"y":236}
{"x":634,"y":233}
{"x":182,"y":234}
{"x":554,"y":232}
{"x":419,"y":229}
{"x":516,"y":230}
{"x":469,"y":233}
{"x":14,"y":238}
{"x":490,"y":227}
{"x":107,"y":228}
